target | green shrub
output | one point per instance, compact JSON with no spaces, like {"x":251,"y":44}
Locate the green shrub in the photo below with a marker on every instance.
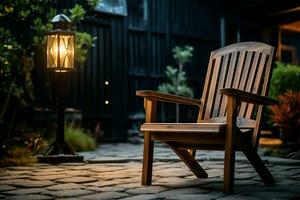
{"x":285,"y":78}
{"x":79,"y":140}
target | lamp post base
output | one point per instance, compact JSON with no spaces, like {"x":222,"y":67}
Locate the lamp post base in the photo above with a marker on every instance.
{"x":60,"y":159}
{"x":60,"y":152}
{"x":60,"y":147}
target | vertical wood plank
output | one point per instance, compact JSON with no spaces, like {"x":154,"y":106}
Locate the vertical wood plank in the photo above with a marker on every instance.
{"x":212,"y":89}
{"x":209,"y":72}
{"x":229,"y":81}
{"x":220,"y":84}
{"x":250,"y":79}
{"x":257,"y":81}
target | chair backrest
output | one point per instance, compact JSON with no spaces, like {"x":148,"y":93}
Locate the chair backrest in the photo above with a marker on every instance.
{"x":245,"y":66}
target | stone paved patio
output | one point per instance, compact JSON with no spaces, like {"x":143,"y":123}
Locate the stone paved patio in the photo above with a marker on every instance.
{"x":114,"y":170}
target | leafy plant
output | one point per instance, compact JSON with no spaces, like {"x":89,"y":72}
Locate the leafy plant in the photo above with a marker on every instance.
{"x":79,"y":140}
{"x":286,"y":115}
{"x":176,"y":77}
{"x":24,"y":24}
{"x":177,"y":81}
{"x":36,"y":144}
{"x":285,"y":77}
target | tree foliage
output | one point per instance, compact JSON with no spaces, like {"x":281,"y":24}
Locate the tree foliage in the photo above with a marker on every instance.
{"x":176,"y":77}
{"x":24,"y":24}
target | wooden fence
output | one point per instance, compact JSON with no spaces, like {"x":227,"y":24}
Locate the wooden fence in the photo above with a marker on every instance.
{"x":132,"y":52}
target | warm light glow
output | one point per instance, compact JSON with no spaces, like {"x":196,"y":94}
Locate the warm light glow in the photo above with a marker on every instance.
{"x":106,"y":83}
{"x":60,"y":52}
{"x":106,"y":102}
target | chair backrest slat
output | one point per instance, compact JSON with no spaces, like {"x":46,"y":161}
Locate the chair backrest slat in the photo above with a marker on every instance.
{"x":221,"y":84}
{"x":213,"y":86}
{"x":245,"y":66}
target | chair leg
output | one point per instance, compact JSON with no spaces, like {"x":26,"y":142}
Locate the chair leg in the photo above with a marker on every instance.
{"x":189,"y":160}
{"x":147,"y":160}
{"x":255,"y":160}
{"x":229,"y":162}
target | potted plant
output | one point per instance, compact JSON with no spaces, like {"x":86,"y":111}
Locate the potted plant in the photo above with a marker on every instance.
{"x":176,"y":77}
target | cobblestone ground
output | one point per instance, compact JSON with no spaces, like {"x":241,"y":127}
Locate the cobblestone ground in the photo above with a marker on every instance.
{"x":120,"y":179}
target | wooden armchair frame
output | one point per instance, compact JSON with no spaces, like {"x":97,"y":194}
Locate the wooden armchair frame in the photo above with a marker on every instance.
{"x":237,"y":79}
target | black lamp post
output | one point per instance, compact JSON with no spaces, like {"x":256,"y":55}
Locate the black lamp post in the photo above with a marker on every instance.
{"x":60,"y":60}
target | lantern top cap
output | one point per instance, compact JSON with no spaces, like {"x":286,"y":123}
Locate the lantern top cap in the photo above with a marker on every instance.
{"x":60,"y":18}
{"x":61,"y":21}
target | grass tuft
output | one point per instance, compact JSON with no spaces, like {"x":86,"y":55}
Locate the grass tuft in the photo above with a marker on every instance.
{"x":79,"y":140}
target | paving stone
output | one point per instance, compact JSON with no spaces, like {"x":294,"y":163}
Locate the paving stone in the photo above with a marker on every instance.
{"x":214,"y":173}
{"x":146,"y":190}
{"x":65,"y":186}
{"x":123,"y":181}
{"x":68,"y":193}
{"x":48,"y":177}
{"x":131,"y":185}
{"x":144,"y":197}
{"x":183,"y":191}
{"x":21,"y":176}
{"x":179,"y":173}
{"x":20,"y":168}
{"x":76,"y":173}
{"x":115,"y":175}
{"x":244,"y":176}
{"x":50,"y":173}
{"x":11,"y":173}
{"x":24,"y":191}
{"x":276,"y":195}
{"x":106,"y":189}
{"x":285,"y":188}
{"x":106,"y":195}
{"x":6,"y":188}
{"x":192,"y":197}
{"x":186,"y":183}
{"x":48,"y":169}
{"x":29,"y":196}
{"x":101,"y":183}
{"x":247,"y":182}
{"x":214,"y":186}
{"x":25,"y":183}
{"x":77,"y":179}
{"x":169,"y":180}
{"x":235,"y":197}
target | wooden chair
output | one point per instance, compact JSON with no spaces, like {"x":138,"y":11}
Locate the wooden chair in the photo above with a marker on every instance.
{"x":230,"y":113}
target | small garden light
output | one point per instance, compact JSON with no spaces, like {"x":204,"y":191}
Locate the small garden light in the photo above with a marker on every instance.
{"x":60,"y":45}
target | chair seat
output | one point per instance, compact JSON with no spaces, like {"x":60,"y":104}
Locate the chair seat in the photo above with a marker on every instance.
{"x":184,"y":127}
{"x":194,"y":133}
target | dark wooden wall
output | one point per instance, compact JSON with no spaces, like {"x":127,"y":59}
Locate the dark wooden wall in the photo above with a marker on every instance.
{"x":132,"y":52}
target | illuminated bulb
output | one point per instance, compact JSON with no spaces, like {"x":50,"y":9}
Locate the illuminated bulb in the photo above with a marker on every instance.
{"x":106,"y":83}
{"x":106,"y":102}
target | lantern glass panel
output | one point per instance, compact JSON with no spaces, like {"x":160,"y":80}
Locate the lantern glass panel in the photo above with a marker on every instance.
{"x":60,"y":52}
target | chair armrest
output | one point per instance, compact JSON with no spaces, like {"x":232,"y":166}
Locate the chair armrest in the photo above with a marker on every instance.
{"x":164,"y":97}
{"x":248,"y":96}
